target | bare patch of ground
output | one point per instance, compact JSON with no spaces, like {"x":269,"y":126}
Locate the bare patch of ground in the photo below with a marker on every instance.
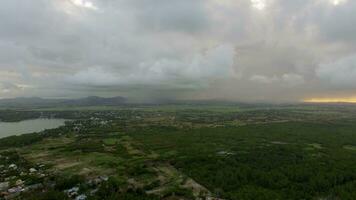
{"x":350,"y":147}
{"x":315,"y":145}
{"x":279,"y":142}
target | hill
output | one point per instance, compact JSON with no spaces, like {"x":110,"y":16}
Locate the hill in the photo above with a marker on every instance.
{"x":36,"y":102}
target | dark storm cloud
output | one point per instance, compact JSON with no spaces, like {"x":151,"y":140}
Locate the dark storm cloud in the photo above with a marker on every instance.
{"x":271,"y":50}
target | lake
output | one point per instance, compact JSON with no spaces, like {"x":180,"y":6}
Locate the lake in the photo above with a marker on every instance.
{"x":28,"y":126}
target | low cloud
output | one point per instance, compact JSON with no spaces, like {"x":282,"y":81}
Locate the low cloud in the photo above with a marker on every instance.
{"x":193,"y":71}
{"x":290,"y":80}
{"x":293,"y":79}
{"x":264,"y":79}
{"x":340,"y":73}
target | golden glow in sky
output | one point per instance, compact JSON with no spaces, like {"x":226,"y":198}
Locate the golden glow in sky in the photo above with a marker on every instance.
{"x":331,"y":100}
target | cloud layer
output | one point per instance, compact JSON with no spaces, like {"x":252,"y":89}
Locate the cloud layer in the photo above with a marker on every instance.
{"x":250,"y":50}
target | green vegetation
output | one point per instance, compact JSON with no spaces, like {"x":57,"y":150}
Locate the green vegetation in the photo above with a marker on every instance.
{"x":15,"y":116}
{"x":228,"y":151}
{"x":263,"y":161}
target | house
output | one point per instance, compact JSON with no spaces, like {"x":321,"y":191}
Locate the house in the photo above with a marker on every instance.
{"x":33,"y":170}
{"x":104,"y":178}
{"x":72,"y":192}
{"x":14,"y":189}
{"x":13,"y":166}
{"x":81,"y":197}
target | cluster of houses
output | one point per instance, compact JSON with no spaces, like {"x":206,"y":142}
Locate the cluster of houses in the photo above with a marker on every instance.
{"x":14,"y":180}
{"x":74,"y":192}
{"x":93,"y":121}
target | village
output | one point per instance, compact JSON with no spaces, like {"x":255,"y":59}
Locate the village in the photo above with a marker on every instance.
{"x":92,"y":146}
{"x":19,"y":177}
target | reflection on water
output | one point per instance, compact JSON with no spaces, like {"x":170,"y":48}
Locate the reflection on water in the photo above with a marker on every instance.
{"x":28,"y":126}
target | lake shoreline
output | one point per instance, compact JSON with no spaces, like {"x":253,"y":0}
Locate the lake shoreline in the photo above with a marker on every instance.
{"x":8,"y":129}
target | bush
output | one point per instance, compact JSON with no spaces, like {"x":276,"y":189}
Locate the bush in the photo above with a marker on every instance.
{"x":67,"y":183}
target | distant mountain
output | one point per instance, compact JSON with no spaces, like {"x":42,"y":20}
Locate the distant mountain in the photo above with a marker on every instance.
{"x":96,"y":101}
{"x":36,"y":102}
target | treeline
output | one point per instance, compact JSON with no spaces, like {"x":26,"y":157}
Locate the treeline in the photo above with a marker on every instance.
{"x":20,"y":141}
{"x":16,"y":116}
{"x":20,"y":115}
{"x":31,"y":138}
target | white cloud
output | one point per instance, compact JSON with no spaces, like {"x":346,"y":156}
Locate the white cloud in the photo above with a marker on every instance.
{"x":337,"y":2}
{"x":290,"y":80}
{"x":259,"y":4}
{"x":84,"y":4}
{"x":293,"y":79}
{"x":95,"y":77}
{"x":7,"y":87}
{"x":264,"y":79}
{"x":215,"y":63}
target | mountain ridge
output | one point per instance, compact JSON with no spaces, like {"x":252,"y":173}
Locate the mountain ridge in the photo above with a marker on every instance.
{"x":24,"y":102}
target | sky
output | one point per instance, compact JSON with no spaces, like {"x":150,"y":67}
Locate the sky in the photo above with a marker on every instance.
{"x":146,"y":50}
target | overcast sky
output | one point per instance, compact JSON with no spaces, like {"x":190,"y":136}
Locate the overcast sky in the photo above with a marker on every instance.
{"x":245,"y":50}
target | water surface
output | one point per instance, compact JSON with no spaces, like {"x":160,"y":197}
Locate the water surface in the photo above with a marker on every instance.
{"x":28,"y":126}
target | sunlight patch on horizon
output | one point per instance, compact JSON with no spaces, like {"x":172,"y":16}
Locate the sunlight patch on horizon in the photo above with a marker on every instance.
{"x":331,"y":100}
